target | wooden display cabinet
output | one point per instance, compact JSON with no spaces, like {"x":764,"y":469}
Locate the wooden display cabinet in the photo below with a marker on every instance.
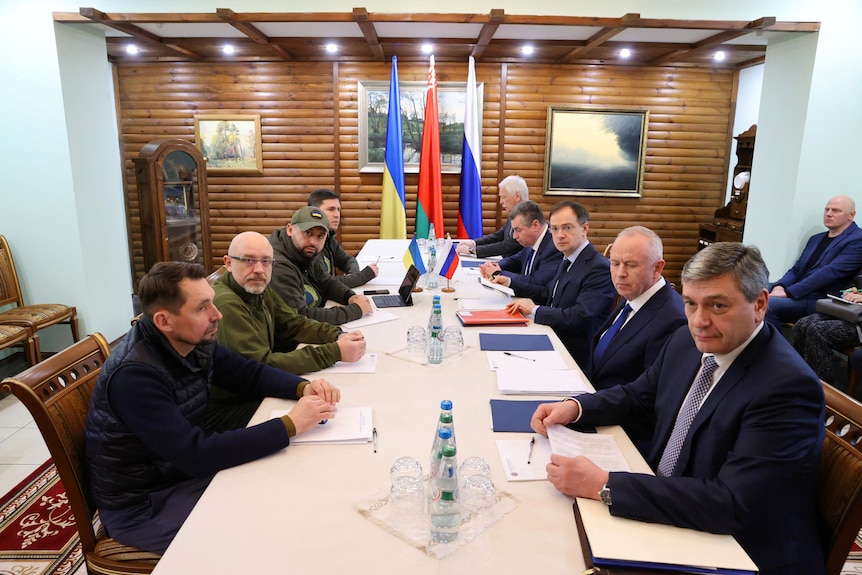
{"x":172,"y":200}
{"x":729,"y":222}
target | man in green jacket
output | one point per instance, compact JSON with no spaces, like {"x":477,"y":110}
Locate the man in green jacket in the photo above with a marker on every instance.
{"x":257,"y":324}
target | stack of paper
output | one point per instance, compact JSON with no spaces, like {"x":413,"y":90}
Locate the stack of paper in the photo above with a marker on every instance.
{"x":543,"y":360}
{"x":519,"y":380}
{"x":350,"y":425}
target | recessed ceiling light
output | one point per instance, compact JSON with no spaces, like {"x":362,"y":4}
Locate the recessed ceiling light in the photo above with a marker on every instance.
{"x":131,"y":49}
{"x":526,"y":50}
{"x":332,"y":48}
{"x":228,"y":49}
{"x":625,"y":53}
{"x":719,"y":56}
{"x":427,"y":48}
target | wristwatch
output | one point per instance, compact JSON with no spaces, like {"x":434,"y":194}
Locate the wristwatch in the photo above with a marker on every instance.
{"x":472,"y":249}
{"x":605,"y":495}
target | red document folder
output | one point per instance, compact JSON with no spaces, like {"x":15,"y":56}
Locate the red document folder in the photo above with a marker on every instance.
{"x":490,"y":317}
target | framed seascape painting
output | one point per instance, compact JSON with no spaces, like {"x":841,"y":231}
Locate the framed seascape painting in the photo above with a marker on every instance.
{"x":374,"y":109}
{"x":230,"y":143}
{"x":595,"y":151}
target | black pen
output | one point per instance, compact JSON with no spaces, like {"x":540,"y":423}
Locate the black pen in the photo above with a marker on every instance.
{"x":374,"y":438}
{"x":510,"y":354}
{"x":530,"y":454}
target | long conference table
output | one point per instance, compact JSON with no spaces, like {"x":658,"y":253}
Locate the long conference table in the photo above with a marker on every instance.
{"x":296,"y":510}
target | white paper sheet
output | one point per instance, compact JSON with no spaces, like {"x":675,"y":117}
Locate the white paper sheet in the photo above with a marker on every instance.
{"x":599,"y":448}
{"x":520,"y":380}
{"x":366,"y":364}
{"x":532,"y":359}
{"x":350,"y":425}
{"x":378,"y":316}
{"x":500,"y":288}
{"x":514,"y":454}
{"x":493,"y":301}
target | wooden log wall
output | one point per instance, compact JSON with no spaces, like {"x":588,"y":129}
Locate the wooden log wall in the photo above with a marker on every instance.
{"x":310,"y":133}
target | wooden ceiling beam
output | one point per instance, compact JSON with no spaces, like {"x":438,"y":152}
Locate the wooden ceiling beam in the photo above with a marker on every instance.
{"x":715,"y":40}
{"x":602,"y":36}
{"x":134,"y":31}
{"x":229,"y":16}
{"x":360,"y":16}
{"x":487,"y":32}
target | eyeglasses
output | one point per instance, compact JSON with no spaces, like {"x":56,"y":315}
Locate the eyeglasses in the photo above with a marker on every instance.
{"x":564,"y":228}
{"x":265,"y":262}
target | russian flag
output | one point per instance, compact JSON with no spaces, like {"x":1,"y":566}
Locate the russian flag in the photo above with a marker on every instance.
{"x":449,"y":266}
{"x":414,"y":256}
{"x":470,"y":200}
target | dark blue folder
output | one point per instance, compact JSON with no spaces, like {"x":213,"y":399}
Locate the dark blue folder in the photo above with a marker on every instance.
{"x":513,"y":415}
{"x":470,"y":263}
{"x":514,"y":342}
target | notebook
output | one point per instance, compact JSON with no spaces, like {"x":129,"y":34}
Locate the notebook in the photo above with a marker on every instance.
{"x":404,"y":297}
{"x":490,"y":317}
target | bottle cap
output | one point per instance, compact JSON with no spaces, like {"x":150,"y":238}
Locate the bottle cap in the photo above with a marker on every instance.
{"x":449,"y":450}
{"x":446,"y":404}
{"x":444,"y":433}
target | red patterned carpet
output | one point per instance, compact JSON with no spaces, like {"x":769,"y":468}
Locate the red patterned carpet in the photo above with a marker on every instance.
{"x":37,"y":531}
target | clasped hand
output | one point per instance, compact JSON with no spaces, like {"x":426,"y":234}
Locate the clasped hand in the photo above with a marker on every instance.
{"x":318,"y":403}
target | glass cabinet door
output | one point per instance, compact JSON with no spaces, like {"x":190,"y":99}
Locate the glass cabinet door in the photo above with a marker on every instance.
{"x":182,"y":207}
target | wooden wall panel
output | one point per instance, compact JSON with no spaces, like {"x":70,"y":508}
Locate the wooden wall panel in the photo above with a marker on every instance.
{"x":308,"y":144}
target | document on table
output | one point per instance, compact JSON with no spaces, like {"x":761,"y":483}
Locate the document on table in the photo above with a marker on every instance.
{"x":599,"y":448}
{"x":349,"y":426}
{"x":493,"y":301}
{"x":500,"y":288}
{"x":515,"y":342}
{"x":523,"y":380}
{"x":379,"y":316}
{"x":366,"y":364}
{"x":532,"y":359}
{"x":514,"y":454}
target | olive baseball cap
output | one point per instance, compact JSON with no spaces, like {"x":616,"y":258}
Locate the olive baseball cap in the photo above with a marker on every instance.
{"x":308,"y":217}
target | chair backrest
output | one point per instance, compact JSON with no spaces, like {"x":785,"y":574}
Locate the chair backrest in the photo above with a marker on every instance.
{"x":57,"y":394}
{"x":213,"y":277}
{"x":841,"y":477}
{"x":10,"y":289}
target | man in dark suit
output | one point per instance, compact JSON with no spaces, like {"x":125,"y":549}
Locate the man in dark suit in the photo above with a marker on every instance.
{"x":827,"y":265}
{"x":512,"y":191}
{"x":739,"y":420}
{"x":580,"y":295}
{"x":634,"y":333}
{"x":532,"y":268}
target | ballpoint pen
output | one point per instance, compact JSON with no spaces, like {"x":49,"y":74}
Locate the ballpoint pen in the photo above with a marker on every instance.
{"x":530,"y":454}
{"x":510,"y":354}
{"x":374,"y":438}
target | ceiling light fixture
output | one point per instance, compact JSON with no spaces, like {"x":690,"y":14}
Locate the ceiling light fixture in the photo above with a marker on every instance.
{"x":332,"y":48}
{"x":526,"y":50}
{"x":719,"y":56}
{"x":427,"y":48}
{"x":625,"y":53}
{"x":228,"y":49}
{"x":131,"y":49}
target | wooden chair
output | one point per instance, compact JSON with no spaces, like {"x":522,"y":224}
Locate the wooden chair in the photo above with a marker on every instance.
{"x":13,"y":336}
{"x":840,"y":473}
{"x":36,"y":316}
{"x":57,"y":393}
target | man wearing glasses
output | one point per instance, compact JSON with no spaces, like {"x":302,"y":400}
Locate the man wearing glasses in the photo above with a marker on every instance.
{"x":300,"y":277}
{"x":257,"y":324}
{"x":580,"y":296}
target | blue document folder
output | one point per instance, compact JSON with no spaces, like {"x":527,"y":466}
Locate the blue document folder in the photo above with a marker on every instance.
{"x":513,"y":416}
{"x":471,"y":263}
{"x":514,"y":342}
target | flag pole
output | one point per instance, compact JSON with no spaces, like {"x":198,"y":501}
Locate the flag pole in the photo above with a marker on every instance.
{"x":448,"y":288}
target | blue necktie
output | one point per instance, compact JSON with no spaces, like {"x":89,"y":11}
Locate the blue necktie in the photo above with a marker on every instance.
{"x":529,"y":266}
{"x":565,"y":266}
{"x":686,"y":416}
{"x":605,"y":340}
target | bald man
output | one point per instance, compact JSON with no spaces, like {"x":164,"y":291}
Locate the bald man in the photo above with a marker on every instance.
{"x":827,"y":265}
{"x":257,"y":324}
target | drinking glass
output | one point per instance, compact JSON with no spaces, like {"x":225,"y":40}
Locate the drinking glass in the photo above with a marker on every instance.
{"x":474,"y":466}
{"x":407,"y":498}
{"x":453,"y":341}
{"x":416,"y":339}
{"x":478,"y":494}
{"x":406,"y":467}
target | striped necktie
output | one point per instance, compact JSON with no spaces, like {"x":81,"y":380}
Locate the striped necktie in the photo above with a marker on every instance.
{"x":686,"y":416}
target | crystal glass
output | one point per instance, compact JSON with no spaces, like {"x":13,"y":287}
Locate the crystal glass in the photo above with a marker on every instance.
{"x":478,"y":494}
{"x":405,"y":467}
{"x":453,"y":341}
{"x":407,"y":499}
{"x":416,"y":339}
{"x":474,"y":466}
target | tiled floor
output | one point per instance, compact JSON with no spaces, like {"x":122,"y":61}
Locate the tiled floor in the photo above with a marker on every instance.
{"x":22,"y":449}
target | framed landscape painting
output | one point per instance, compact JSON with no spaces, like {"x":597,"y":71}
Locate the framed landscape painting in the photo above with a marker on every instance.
{"x":230,"y":143}
{"x":595,"y":151}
